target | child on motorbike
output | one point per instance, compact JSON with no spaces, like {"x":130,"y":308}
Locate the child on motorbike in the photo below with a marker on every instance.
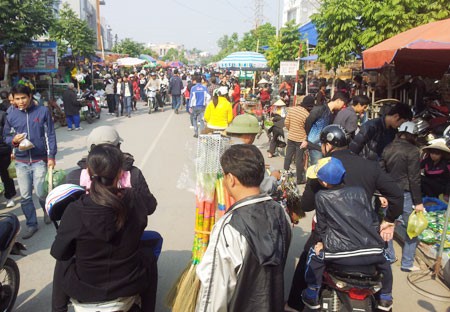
{"x":349,"y":233}
{"x":98,"y":243}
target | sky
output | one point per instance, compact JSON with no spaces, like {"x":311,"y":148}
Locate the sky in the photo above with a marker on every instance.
{"x":194,"y":23}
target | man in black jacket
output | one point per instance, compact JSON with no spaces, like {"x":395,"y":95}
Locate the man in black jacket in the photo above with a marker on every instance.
{"x":376,"y":134}
{"x":359,"y":172}
{"x":71,"y":108}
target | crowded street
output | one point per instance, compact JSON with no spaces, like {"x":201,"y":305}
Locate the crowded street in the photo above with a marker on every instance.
{"x":163,"y":148}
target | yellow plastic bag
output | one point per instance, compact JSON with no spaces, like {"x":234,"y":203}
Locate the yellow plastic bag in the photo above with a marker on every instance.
{"x":417,"y":222}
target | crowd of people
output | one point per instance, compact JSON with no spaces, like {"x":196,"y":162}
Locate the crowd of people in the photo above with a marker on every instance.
{"x":98,"y":247}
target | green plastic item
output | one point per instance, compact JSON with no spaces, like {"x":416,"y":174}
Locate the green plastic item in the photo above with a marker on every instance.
{"x":59,"y":177}
{"x":12,"y":170}
{"x":416,"y":224}
{"x":2,"y":188}
{"x":427,"y":236}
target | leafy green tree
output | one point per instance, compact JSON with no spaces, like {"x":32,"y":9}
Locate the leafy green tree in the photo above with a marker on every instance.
{"x":285,"y":47}
{"x":265,"y":33}
{"x":227,"y":44}
{"x":20,"y":22}
{"x":150,"y":52}
{"x":129,"y":46}
{"x":346,"y":28}
{"x":71,"y":32}
{"x":175,"y":55}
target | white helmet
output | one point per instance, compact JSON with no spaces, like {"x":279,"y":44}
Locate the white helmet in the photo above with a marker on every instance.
{"x":60,"y":197}
{"x":409,"y":127}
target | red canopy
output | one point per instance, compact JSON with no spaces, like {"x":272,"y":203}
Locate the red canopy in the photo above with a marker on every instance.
{"x":424,"y":50}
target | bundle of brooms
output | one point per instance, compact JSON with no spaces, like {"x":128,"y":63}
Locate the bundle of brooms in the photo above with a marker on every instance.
{"x":212,"y":201}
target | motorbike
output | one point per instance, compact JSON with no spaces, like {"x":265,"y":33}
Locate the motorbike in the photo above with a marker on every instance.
{"x":431,"y":122}
{"x":9,"y":272}
{"x":153,"y":101}
{"x":89,"y":106}
{"x":163,"y":92}
{"x":349,"y":288}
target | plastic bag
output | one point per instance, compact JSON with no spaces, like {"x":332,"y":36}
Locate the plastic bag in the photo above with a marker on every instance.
{"x":59,"y":177}
{"x":428,"y":236}
{"x":25,"y":144}
{"x":416,"y":224}
{"x":12,"y":170}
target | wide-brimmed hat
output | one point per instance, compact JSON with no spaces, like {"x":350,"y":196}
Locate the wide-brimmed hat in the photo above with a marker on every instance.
{"x":438,"y":145}
{"x":244,"y":124}
{"x":280,"y":102}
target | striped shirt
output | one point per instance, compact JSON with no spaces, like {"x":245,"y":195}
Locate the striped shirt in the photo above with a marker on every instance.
{"x":295,"y":123}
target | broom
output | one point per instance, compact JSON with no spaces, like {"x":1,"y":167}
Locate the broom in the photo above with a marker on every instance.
{"x":183,"y":295}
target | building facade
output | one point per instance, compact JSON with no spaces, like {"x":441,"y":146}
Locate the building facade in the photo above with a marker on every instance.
{"x":299,"y":10}
{"x":163,"y":48}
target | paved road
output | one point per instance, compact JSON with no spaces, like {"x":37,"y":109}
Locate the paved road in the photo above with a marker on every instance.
{"x":163,"y":147}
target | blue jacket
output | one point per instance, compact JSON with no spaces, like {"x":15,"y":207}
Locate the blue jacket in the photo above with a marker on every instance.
{"x":37,"y":123}
{"x":199,"y":96}
{"x":175,"y":85}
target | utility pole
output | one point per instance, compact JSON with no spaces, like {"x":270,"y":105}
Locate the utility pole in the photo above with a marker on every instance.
{"x":259,"y":17}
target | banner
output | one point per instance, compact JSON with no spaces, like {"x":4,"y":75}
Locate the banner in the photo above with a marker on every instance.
{"x":288,"y":68}
{"x":39,"y":57}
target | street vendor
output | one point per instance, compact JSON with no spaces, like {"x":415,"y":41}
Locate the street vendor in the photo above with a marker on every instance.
{"x":436,"y":170}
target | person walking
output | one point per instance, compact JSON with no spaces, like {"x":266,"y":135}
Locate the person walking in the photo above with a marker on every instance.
{"x":30,"y":130}
{"x":401,"y":159}
{"x":175,"y":87}
{"x":109,"y":91}
{"x":71,"y":108}
{"x":197,"y":103}
{"x":5,"y":161}
{"x":297,"y":143}
{"x":218,"y":113}
{"x":127,"y":95}
{"x":118,"y":96}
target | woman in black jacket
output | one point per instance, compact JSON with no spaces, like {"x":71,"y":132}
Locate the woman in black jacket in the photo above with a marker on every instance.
{"x":98,"y":242}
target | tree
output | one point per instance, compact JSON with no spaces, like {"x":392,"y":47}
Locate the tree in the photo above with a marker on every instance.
{"x":346,"y":28}
{"x":285,"y":47}
{"x":20,"y":22}
{"x":150,"y":52}
{"x":175,"y":55}
{"x":264,"y":33}
{"x":71,"y":32}
{"x":129,"y":46}
{"x":227,"y":45}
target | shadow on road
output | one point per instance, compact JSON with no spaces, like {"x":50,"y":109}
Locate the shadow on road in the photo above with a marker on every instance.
{"x":38,"y":301}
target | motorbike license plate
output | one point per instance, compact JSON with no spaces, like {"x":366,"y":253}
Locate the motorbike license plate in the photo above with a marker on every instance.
{"x":84,"y":108}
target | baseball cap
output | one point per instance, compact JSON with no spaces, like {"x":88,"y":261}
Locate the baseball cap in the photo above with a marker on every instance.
{"x":329,"y":170}
{"x":103,"y":135}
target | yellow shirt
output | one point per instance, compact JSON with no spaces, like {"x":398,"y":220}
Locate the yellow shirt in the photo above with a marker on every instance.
{"x":218,"y":117}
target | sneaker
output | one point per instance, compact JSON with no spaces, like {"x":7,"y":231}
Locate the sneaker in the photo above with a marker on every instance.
{"x":10,"y":203}
{"x":311,"y":303}
{"x":29,"y":232}
{"x":287,"y":308}
{"x":176,"y":111}
{"x":195,"y":135}
{"x":47,"y":218}
{"x":191,"y":127}
{"x":384,"y":305}
{"x":78,"y":129}
{"x":411,"y":269}
{"x":69,"y":129}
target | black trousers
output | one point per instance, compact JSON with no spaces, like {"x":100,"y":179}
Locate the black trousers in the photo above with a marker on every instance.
{"x":110,"y":101}
{"x":293,"y":148}
{"x":10,"y":189}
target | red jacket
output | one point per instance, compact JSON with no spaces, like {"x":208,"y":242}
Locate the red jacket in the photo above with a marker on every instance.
{"x":236,"y":93}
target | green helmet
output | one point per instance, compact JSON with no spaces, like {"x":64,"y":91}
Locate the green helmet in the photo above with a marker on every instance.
{"x":244,"y":124}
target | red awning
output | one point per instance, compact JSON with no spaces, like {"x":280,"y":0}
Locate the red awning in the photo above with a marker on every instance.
{"x":424,"y":50}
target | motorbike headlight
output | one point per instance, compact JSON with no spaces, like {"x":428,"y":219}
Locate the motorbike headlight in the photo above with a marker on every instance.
{"x":341,"y":284}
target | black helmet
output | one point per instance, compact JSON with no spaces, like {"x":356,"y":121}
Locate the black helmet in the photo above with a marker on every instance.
{"x":335,"y":135}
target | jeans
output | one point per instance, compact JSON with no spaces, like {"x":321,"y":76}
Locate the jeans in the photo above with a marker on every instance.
{"x":314,"y":156}
{"x":293,"y":148}
{"x":73,"y":119}
{"x":197,"y":113}
{"x":176,"y":101}
{"x":127,"y":104}
{"x":119,"y":105}
{"x":409,"y":248}
{"x":316,"y":266}
{"x":31,"y":175}
{"x":10,"y":189}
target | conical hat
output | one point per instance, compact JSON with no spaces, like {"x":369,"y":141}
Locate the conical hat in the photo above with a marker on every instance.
{"x":263,"y":81}
{"x":439,"y":145}
{"x":279,"y":103}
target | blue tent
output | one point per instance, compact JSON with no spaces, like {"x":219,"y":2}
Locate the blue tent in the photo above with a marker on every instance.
{"x":308,"y":32}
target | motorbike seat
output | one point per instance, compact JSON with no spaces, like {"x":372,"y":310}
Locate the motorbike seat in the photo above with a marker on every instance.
{"x":9,"y":226}
{"x":354,"y":271}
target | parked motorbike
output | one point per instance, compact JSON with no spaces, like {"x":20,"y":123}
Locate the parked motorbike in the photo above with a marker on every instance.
{"x":89,"y":106}
{"x":431,"y":122}
{"x":9,"y":272}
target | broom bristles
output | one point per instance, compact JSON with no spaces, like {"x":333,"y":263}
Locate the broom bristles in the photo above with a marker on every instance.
{"x":173,"y":292}
{"x":186,"y":297}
